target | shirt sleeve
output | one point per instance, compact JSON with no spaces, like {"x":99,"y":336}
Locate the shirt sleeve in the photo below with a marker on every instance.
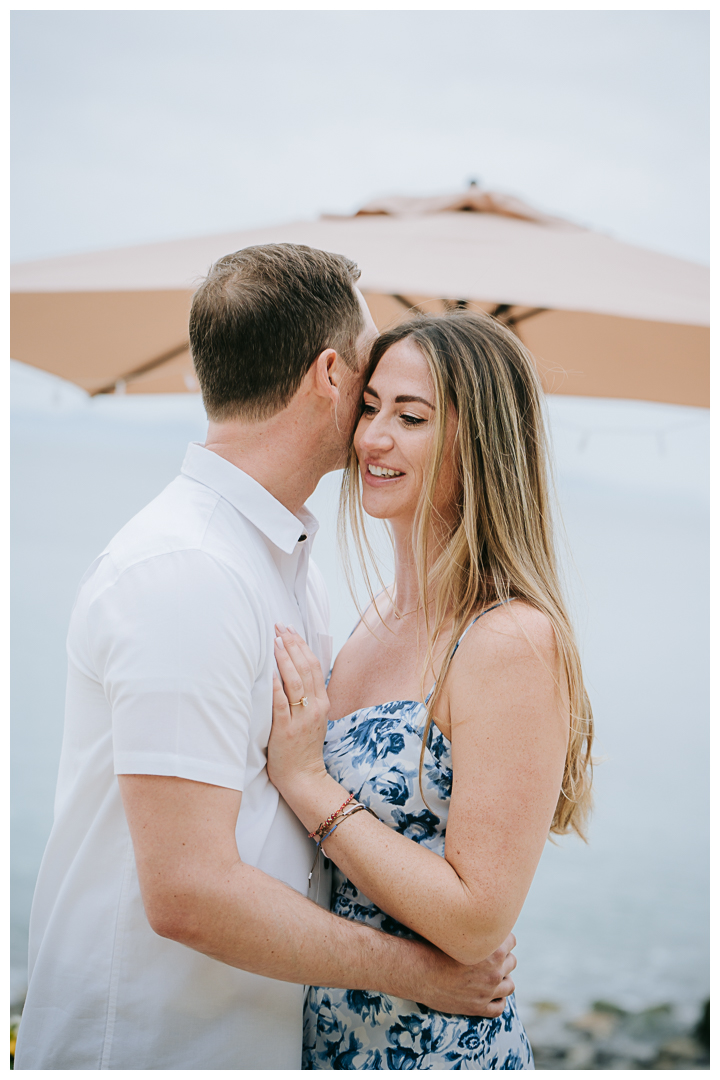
{"x":178,"y":645}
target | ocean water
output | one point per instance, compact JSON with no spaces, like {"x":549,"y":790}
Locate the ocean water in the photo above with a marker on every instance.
{"x":623,"y":918}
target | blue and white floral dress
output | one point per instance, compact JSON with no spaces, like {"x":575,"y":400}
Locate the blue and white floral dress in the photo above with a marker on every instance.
{"x":375,"y":753}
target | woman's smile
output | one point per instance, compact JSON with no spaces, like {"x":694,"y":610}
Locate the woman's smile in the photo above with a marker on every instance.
{"x":377,"y":475}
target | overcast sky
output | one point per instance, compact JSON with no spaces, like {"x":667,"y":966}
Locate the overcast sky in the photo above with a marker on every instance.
{"x":132,"y":126}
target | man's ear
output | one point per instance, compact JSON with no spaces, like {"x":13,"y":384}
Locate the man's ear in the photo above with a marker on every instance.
{"x":327,"y":375}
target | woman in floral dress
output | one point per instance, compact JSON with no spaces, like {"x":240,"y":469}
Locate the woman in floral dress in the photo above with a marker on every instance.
{"x":456,"y":712}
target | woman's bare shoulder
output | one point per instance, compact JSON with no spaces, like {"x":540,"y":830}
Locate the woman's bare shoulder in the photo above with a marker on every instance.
{"x":511,"y":633}
{"x":507,"y":667}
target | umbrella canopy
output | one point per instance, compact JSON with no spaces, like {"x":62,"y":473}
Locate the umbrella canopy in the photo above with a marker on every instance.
{"x":602,"y":318}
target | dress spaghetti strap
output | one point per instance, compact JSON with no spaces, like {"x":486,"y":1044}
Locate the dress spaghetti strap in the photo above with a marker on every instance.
{"x":466,"y":630}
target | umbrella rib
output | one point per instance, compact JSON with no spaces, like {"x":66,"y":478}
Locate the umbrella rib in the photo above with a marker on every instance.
{"x":503,"y":313}
{"x":403,"y":300}
{"x":455,"y":305}
{"x":514,"y":319}
{"x":149,"y":366}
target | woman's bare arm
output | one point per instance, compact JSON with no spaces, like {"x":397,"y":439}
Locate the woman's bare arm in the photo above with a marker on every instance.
{"x":196,"y":891}
{"x":509,"y":738}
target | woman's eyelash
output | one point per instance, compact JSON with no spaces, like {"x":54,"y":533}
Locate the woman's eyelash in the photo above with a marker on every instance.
{"x":407,"y":418}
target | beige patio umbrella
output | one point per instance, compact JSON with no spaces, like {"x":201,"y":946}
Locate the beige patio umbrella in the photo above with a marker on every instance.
{"x":603,"y":318}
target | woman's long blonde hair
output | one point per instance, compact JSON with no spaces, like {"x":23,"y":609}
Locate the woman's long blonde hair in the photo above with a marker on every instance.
{"x":500,"y":544}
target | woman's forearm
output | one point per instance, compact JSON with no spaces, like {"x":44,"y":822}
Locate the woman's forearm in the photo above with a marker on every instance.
{"x":197,"y":892}
{"x":407,"y":881}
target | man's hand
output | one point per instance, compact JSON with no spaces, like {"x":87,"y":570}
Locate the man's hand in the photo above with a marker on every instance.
{"x":472,"y":990}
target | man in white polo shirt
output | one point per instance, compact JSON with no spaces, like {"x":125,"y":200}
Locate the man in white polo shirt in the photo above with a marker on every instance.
{"x":171,"y":926}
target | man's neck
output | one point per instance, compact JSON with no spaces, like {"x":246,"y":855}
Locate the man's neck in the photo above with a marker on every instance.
{"x":280,"y":453}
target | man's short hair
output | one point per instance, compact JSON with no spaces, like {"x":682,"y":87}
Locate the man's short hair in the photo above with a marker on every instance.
{"x":259,"y":320}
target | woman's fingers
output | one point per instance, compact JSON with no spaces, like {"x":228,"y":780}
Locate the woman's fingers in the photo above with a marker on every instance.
{"x":295,"y":747}
{"x":293,"y":644}
{"x":292,"y":680}
{"x":281,"y":707}
{"x":305,"y":660}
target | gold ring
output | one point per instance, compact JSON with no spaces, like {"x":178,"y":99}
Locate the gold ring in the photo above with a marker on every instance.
{"x":303,"y":701}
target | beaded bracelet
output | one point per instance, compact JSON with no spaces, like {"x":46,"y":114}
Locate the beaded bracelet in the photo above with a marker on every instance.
{"x":343,"y":816}
{"x":319,"y":833}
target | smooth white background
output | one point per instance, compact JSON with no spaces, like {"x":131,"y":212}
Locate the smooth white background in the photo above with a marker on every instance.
{"x":133,"y":126}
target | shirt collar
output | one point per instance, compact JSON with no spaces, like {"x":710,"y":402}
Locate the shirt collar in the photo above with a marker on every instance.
{"x":249,"y":497}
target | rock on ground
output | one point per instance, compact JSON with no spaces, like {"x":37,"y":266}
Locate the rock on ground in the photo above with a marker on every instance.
{"x":608,"y":1037}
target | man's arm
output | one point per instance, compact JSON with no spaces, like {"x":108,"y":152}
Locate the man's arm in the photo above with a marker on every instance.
{"x":196,"y":891}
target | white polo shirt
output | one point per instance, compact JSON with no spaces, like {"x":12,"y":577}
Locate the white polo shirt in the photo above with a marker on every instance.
{"x":170,"y":673}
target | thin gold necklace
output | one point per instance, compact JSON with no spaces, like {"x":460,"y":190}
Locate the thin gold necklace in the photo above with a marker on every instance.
{"x":411,"y":612}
